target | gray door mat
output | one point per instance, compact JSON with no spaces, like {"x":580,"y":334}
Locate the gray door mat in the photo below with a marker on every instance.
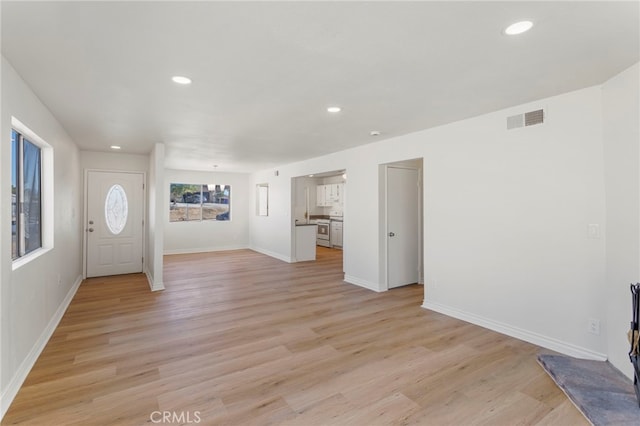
{"x":602,"y":393}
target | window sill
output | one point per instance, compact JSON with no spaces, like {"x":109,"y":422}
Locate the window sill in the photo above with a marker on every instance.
{"x":27,"y":258}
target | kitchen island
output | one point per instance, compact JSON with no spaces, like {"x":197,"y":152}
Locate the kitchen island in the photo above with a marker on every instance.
{"x":305,"y":241}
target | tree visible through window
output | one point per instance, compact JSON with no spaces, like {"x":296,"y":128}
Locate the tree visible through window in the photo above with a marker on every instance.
{"x":26,"y":196}
{"x":190,"y":202}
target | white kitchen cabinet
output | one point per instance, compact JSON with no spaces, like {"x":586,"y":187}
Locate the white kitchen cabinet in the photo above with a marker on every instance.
{"x":329,"y":195}
{"x":335,"y":193}
{"x":336,"y":233}
{"x":321,"y":197}
{"x":328,"y":191}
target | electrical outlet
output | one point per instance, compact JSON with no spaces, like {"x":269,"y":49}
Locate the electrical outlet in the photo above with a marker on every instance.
{"x":594,"y":326}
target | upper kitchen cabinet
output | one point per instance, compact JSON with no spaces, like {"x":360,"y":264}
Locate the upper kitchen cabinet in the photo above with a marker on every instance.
{"x":329,"y":195}
{"x":340,"y":193}
{"x":321,"y":197}
{"x":332,"y":189}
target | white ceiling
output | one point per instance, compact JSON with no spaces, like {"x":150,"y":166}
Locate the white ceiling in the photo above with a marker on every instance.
{"x":264,"y":72}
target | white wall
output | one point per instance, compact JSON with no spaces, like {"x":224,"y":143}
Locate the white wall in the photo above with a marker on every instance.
{"x":32,"y":299}
{"x":622,"y":179}
{"x":209,"y":235}
{"x":118,"y":161}
{"x":299,"y":199}
{"x":506,"y":215}
{"x":272,"y":235}
{"x":506,"y":219}
{"x":114,"y":161}
{"x":155,"y":219}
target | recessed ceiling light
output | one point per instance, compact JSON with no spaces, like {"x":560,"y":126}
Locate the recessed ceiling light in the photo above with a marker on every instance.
{"x":374,"y":133}
{"x":518,"y":27}
{"x":310,"y":175}
{"x":181,"y":79}
{"x":115,"y":147}
{"x":334,"y":109}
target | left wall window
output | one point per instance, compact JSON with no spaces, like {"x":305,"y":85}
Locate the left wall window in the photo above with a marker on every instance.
{"x":26,"y":195}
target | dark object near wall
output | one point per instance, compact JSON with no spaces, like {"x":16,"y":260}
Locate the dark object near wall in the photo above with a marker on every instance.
{"x":600,"y":391}
{"x":634,"y":337}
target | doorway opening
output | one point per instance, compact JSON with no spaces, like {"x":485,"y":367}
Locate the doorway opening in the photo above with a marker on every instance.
{"x":401,"y":223}
{"x":319,"y":199}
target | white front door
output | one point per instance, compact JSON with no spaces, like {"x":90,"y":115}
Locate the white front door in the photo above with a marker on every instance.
{"x":114,"y":228}
{"x":402,"y":226}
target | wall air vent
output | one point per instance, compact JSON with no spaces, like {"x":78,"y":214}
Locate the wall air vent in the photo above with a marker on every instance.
{"x":533,"y":117}
{"x":515,"y":121}
{"x":527,"y":119}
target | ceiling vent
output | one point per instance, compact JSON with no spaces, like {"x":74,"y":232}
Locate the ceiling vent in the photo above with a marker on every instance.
{"x":527,"y":119}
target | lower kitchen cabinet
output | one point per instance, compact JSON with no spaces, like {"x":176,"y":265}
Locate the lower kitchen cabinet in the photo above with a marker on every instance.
{"x":336,"y":233}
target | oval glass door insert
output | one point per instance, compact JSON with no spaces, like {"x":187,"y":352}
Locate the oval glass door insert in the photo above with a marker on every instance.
{"x":116,"y":209}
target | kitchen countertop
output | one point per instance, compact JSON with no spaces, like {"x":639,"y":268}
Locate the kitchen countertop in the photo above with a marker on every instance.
{"x":306,"y":224}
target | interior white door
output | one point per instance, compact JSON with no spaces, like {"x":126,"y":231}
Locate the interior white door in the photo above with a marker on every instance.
{"x":114,"y":227}
{"x":402,"y":226}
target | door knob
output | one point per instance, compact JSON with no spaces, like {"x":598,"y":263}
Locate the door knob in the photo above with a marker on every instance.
{"x":90,"y":229}
{"x":391,"y":234}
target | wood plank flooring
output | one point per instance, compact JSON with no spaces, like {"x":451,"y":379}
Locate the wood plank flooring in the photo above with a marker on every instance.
{"x":239,"y":338}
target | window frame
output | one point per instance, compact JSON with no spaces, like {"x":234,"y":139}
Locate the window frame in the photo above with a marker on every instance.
{"x":46,"y":193}
{"x":262,"y":199}
{"x":201,"y":204}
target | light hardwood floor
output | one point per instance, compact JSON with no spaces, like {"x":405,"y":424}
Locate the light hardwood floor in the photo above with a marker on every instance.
{"x":239,"y":338}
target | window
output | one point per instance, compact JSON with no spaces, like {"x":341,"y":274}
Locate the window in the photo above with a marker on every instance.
{"x":116,"y":209}
{"x":262,"y":199}
{"x":189,"y":202}
{"x":26,"y":195}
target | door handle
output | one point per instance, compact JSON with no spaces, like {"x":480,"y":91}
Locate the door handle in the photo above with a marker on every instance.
{"x":90,"y":229}
{"x":391,"y":234}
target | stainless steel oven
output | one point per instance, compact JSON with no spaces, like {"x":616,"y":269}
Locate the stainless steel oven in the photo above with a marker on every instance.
{"x":323,"y":238}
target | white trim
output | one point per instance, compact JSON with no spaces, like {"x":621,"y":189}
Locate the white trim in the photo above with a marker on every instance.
{"x":205,"y":249}
{"x":385,"y":239}
{"x":10,"y":392}
{"x":273,"y":254}
{"x":369,"y":285}
{"x":518,"y":333}
{"x":384,"y":219}
{"x":47,"y":177}
{"x":23,"y":260}
{"x":85,"y":213}
{"x":153,"y":285}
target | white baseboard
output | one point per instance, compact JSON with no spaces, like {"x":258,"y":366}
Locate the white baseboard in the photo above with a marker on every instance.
{"x":518,"y":333}
{"x":272,"y":254}
{"x":154,"y":285}
{"x":363,"y":283}
{"x":204,"y":249}
{"x":10,"y":392}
